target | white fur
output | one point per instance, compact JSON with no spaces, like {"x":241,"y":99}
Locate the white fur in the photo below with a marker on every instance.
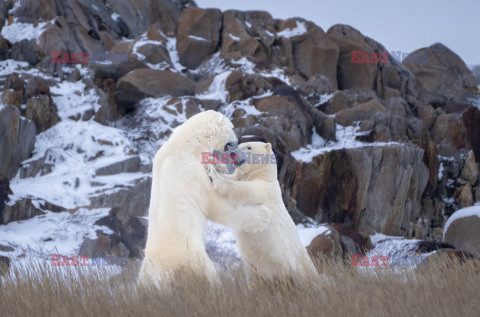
{"x":180,"y":199}
{"x":266,"y":234}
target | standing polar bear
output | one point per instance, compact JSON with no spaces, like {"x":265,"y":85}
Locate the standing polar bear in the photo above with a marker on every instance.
{"x":266,"y":234}
{"x":181,"y":200}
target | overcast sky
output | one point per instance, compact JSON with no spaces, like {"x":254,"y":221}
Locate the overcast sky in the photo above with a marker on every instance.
{"x":399,"y":25}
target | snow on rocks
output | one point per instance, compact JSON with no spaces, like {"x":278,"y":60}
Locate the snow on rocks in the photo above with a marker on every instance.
{"x":347,"y":139}
{"x":462,"y":213}
{"x":74,"y":99}
{"x":217,"y":90}
{"x":307,"y":234}
{"x":59,"y":233}
{"x":300,"y":29}
{"x":462,"y":230}
{"x":81,"y":148}
{"x":18,"y":31}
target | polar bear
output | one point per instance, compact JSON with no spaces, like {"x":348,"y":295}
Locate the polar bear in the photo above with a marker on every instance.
{"x":180,"y":199}
{"x":266,"y":234}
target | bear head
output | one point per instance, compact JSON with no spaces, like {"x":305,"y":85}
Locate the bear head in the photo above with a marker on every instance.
{"x":207,"y":131}
{"x":255,"y":160}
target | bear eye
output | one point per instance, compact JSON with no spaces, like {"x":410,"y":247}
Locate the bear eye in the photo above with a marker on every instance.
{"x":249,"y":148}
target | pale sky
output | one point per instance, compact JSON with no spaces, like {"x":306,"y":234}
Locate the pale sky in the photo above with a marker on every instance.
{"x":399,"y":25}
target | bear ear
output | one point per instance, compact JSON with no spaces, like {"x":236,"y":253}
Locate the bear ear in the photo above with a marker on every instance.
{"x":268,"y":146}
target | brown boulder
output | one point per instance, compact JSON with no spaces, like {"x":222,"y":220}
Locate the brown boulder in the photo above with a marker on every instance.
{"x":448,"y":134}
{"x":17,"y":139}
{"x":42,"y":111}
{"x":464,"y":196}
{"x":471,"y":121}
{"x":154,"y":54}
{"x":364,"y":111}
{"x":376,"y":189}
{"x":21,"y":210}
{"x":198,"y":35}
{"x":324,"y":125}
{"x":242,"y":86}
{"x":129,"y":231}
{"x":336,"y":103}
{"x":353,"y":241}
{"x":35,"y":87}
{"x":327,"y":243}
{"x":317,"y":84}
{"x":397,"y":106}
{"x":464,"y":232}
{"x":116,"y":71}
{"x":101,"y":246}
{"x":4,"y":48}
{"x":144,"y":82}
{"x":12,"y":97}
{"x":427,"y":114}
{"x":470,"y":170}
{"x":313,"y":52}
{"x":295,"y":133}
{"x":444,"y":77}
{"x":352,"y":75}
{"x":4,"y":192}
{"x":237,"y":41}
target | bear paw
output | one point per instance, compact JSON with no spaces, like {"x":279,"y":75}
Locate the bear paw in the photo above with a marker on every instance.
{"x":213,"y":176}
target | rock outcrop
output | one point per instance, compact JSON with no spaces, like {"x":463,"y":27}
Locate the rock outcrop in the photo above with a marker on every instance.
{"x":391,"y":147}
{"x":17,"y":139}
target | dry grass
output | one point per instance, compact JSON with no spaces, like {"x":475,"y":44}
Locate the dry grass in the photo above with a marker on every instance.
{"x":444,"y":288}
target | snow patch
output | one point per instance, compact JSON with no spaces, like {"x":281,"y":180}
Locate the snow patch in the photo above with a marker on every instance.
{"x":52,"y":233}
{"x":172,"y":51}
{"x":245,"y":105}
{"x":308,"y":234}
{"x":346,"y":137}
{"x":19,"y":31}
{"x":198,"y":38}
{"x":441,"y":168}
{"x":72,"y":99}
{"x":217,"y":90}
{"x":300,"y":29}
{"x":233,"y":37}
{"x":10,"y":66}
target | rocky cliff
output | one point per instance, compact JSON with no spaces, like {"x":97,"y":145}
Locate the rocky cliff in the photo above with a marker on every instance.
{"x":91,"y":89}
